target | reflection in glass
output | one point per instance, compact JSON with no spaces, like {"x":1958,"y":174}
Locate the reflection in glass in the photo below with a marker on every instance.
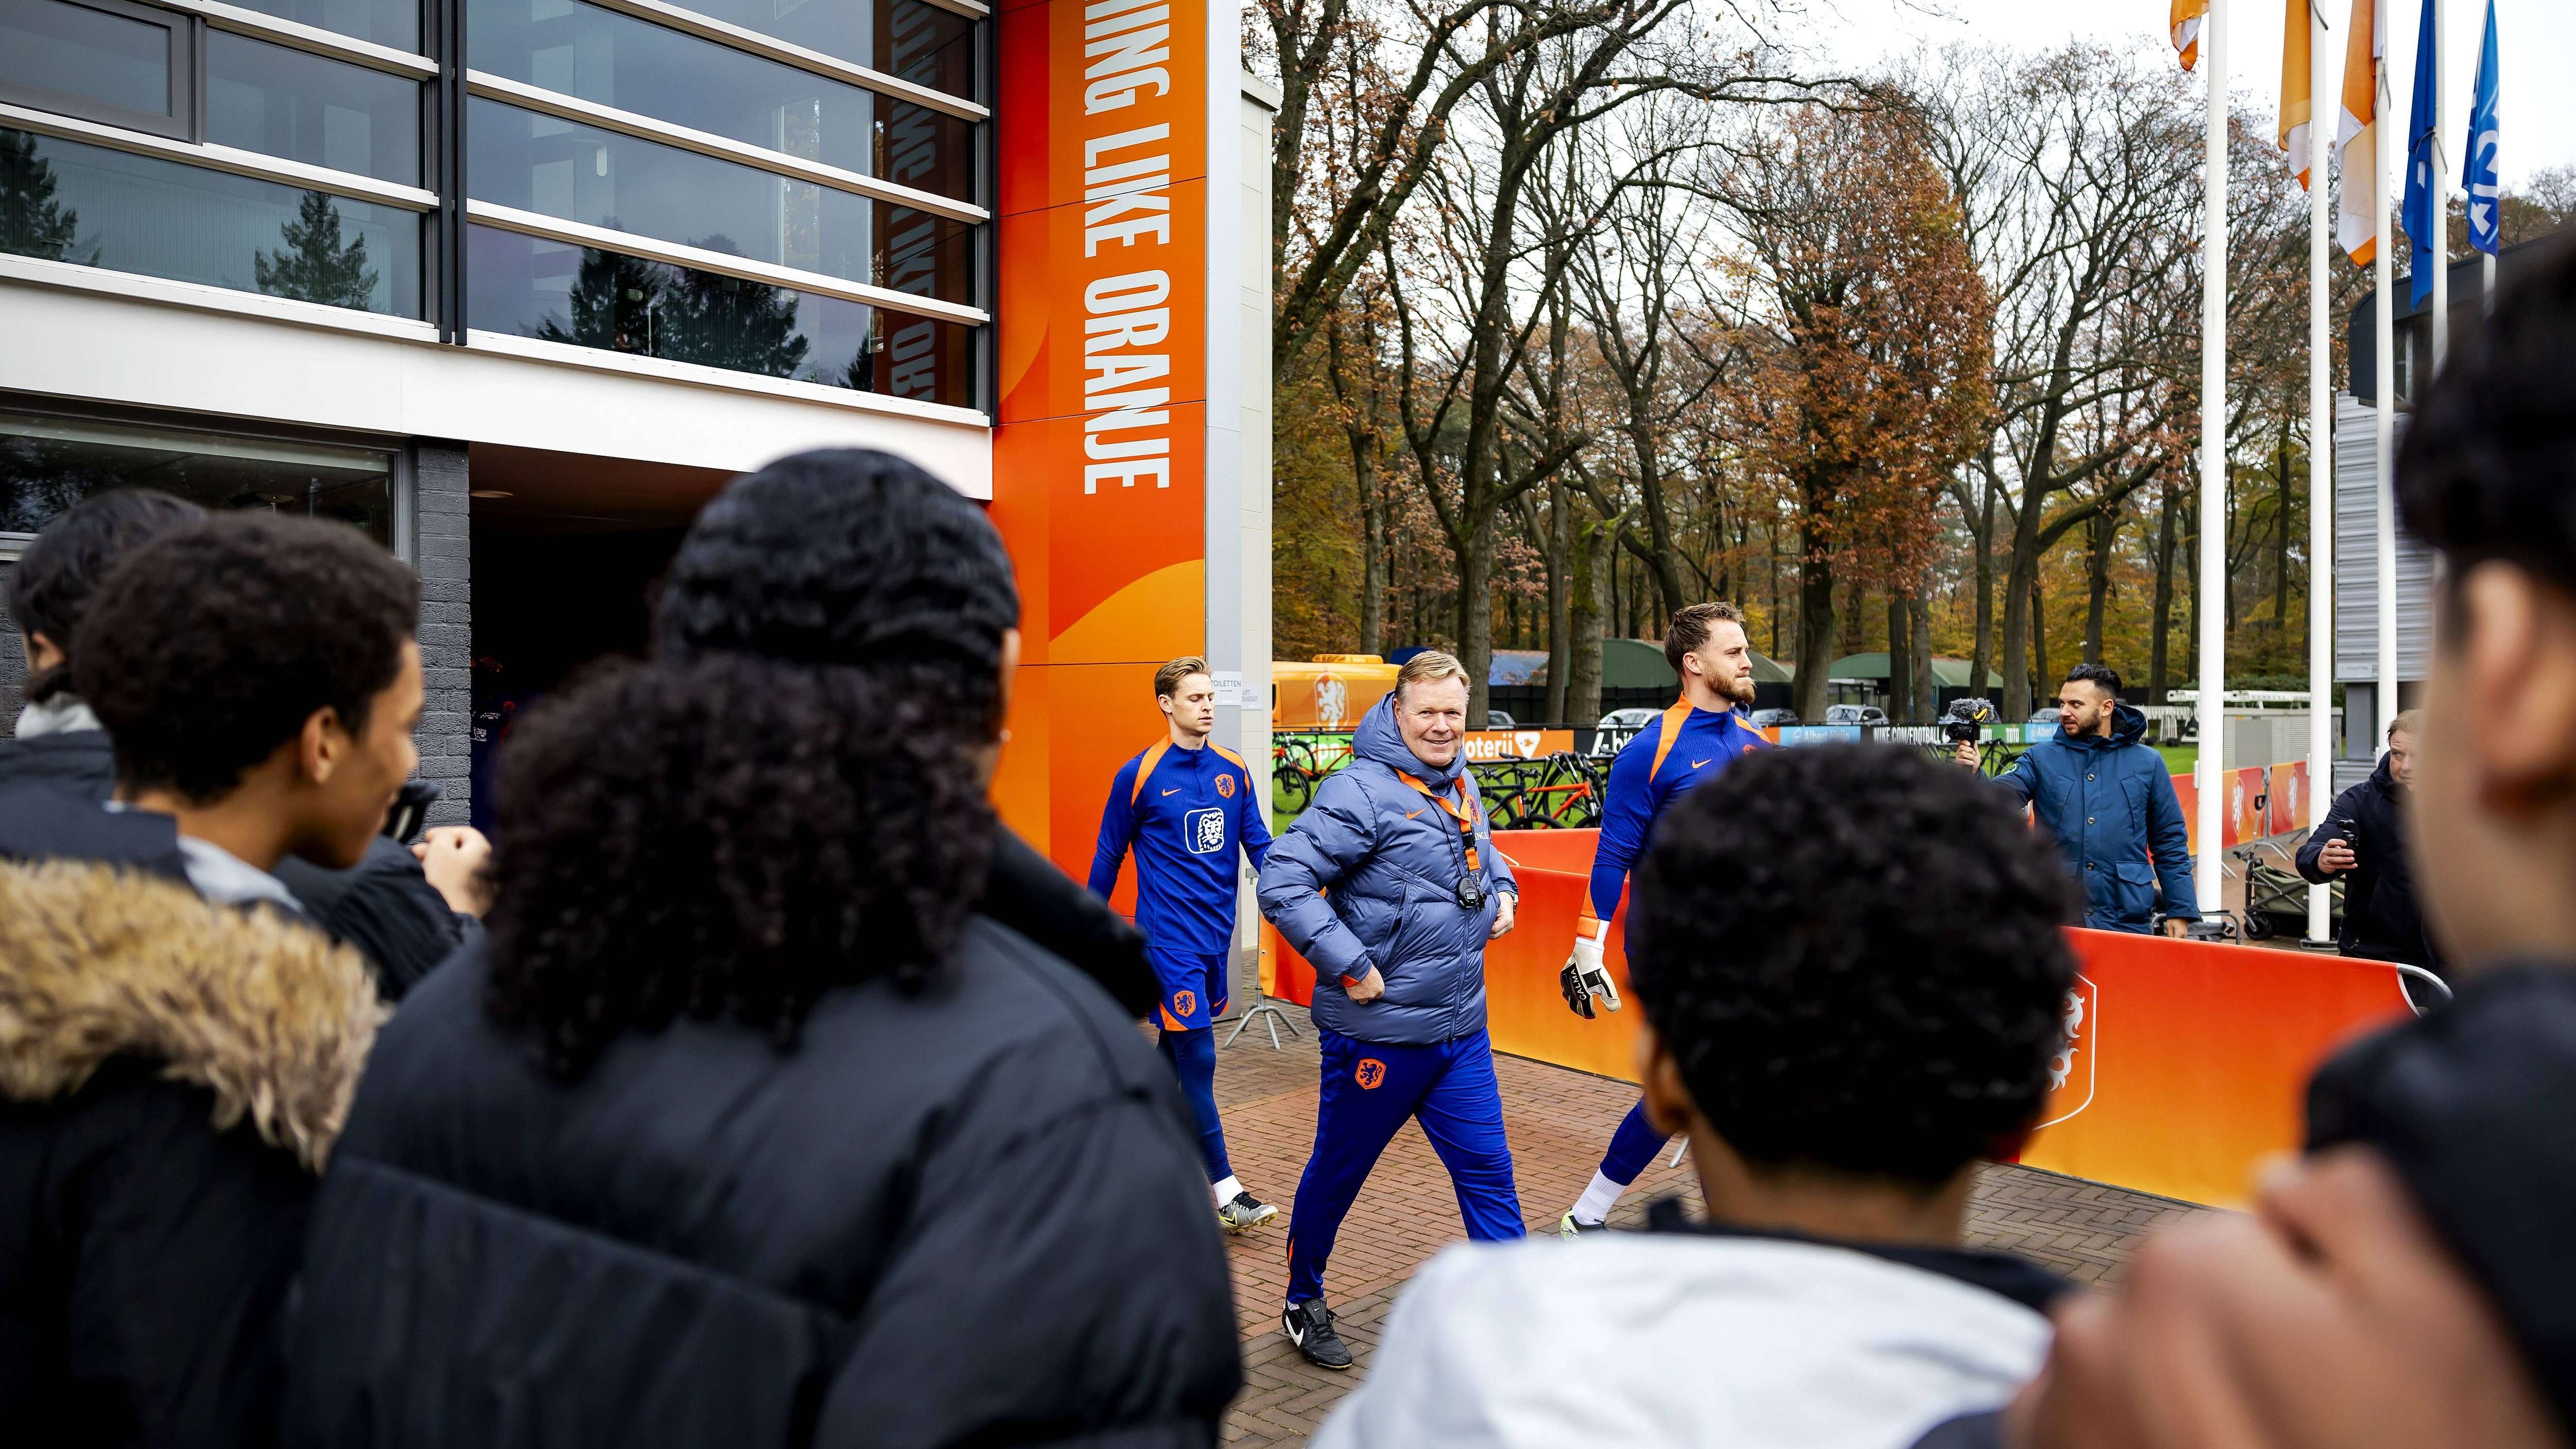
{"x":283,"y":102}
{"x":598,"y":55}
{"x":591,"y":298}
{"x":386,"y":22}
{"x":73,"y":50}
{"x":79,"y":203}
{"x":920,"y":43}
{"x":47,"y":464}
{"x":581,"y":173}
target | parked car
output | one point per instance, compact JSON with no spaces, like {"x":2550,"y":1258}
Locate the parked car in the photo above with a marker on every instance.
{"x":1495,"y":719}
{"x":1763,"y":719}
{"x":1855,"y":714}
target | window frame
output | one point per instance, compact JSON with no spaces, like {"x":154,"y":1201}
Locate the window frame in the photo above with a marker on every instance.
{"x":186,"y":59}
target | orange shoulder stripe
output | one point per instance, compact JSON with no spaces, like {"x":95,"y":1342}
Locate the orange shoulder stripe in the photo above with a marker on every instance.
{"x":1229,"y":754}
{"x":1145,"y":768}
{"x":1673,"y":720}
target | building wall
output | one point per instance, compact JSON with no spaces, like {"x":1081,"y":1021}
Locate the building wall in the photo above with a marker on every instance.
{"x":13,"y":656}
{"x":2356,"y":587}
{"x":442,"y":551}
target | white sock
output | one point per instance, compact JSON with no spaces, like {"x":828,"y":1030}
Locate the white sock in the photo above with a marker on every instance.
{"x":1226,"y":1191}
{"x":1597,"y":1200}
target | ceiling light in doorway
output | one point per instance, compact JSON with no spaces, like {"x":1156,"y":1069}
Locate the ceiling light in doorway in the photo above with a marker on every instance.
{"x":489,"y":493}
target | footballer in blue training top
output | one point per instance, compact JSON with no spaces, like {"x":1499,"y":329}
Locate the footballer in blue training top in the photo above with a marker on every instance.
{"x":1186,"y":807}
{"x":1687,"y":746}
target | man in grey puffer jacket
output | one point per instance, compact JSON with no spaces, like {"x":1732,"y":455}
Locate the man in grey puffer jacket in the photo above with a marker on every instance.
{"x":1390,"y":885}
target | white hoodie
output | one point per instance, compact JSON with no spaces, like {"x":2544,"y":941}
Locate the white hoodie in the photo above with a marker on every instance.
{"x":1682,"y":1338}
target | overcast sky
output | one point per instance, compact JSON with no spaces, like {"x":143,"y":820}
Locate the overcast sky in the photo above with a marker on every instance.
{"x":2536,"y":41}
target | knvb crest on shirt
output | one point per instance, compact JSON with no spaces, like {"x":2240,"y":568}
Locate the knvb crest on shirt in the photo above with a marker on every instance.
{"x":2077,"y":1065}
{"x":1206,"y":830}
{"x":1225,"y":786}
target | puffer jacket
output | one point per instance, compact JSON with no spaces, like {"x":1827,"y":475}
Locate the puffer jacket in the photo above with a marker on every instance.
{"x":2110,"y":802}
{"x":1368,"y":876}
{"x":2381,"y":921}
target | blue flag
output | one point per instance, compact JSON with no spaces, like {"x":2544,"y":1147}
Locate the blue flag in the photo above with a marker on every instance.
{"x":2417,"y":213}
{"x":2479,"y":171}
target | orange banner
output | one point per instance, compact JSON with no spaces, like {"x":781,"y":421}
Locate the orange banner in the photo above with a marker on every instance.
{"x":1485,"y":746}
{"x":2186,"y":1060}
{"x":1099,"y":448}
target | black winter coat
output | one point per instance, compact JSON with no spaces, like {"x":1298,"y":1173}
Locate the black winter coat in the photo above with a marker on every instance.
{"x":79,"y":762}
{"x":972,"y":1215}
{"x":172,"y":1075}
{"x":386,"y":907}
{"x":1024,"y":891}
{"x":2380,"y":918}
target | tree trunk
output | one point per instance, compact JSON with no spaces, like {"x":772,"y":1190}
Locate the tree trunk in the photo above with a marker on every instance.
{"x":1900,"y":659}
{"x":1585,"y":619}
{"x":2039,"y":636}
{"x":2100,"y":534}
{"x":1981,"y":659}
{"x":2021,"y":586}
{"x":1476,"y":615}
{"x":1815,"y":626}
{"x":2281,"y":549}
{"x":1560,"y":593}
{"x":1927,"y":696}
{"x":2159,"y":671}
{"x":1373,"y":553}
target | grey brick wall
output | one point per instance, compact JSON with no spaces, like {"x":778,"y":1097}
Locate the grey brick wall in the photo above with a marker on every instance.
{"x":442,"y":552}
{"x":13,"y":659}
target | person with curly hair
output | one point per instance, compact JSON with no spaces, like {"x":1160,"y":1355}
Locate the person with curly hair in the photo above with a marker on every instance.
{"x":178,"y":1048}
{"x":1848,"y":1006}
{"x":747,"y":1124}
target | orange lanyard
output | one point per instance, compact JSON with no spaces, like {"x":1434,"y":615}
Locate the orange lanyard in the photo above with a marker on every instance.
{"x":1459,"y":812}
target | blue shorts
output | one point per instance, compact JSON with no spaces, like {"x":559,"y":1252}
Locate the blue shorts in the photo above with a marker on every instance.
{"x":1194,"y":988}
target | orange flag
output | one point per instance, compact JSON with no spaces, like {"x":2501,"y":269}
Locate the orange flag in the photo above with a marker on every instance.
{"x":2297,"y":85}
{"x":2187,"y":17}
{"x":2357,"y":133}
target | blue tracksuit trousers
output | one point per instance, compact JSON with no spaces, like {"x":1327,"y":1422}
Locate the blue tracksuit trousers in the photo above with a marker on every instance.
{"x":1369,"y":1090}
{"x":1632,"y":1147}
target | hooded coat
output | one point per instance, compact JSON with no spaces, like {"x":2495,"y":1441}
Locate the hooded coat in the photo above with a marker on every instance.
{"x":172,"y":1075}
{"x":1368,"y":877}
{"x":969,"y":1214}
{"x":2381,"y":921}
{"x":2110,"y":802}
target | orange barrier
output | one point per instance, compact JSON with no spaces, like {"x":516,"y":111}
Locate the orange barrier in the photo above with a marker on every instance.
{"x":2187,"y":1064}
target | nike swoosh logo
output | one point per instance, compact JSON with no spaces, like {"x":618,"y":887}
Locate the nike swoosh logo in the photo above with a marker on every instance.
{"x":1409,"y":814}
{"x":1695,"y":764}
{"x":1175,"y":790}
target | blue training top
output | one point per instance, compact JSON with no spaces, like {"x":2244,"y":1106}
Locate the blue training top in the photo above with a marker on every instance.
{"x":1686,"y":747}
{"x":1186,"y":812}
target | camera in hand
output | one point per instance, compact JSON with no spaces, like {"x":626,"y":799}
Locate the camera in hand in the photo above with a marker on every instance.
{"x":411,"y":809}
{"x":1965,"y":722}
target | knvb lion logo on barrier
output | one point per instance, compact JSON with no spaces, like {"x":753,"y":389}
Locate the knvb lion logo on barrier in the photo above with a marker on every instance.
{"x":1371,"y":1071}
{"x":2077,"y":1065}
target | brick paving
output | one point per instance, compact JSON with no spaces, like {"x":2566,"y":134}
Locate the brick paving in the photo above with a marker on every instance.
{"x":1558,"y":1121}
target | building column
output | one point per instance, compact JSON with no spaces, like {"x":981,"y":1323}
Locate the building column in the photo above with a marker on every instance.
{"x":442,"y":553}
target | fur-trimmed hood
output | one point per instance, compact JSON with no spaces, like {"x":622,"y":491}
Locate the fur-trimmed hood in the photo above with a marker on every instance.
{"x":266,"y":1013}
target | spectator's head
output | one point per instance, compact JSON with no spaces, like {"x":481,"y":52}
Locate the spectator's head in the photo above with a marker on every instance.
{"x":726,"y":836}
{"x":1186,"y":694}
{"x":2488,"y":477}
{"x":1852,"y":966}
{"x":2403,"y":732}
{"x":1706,"y":645}
{"x":50,"y":588}
{"x":2086,"y":701}
{"x":856,"y":558}
{"x":1430,"y":704}
{"x":263,"y":666}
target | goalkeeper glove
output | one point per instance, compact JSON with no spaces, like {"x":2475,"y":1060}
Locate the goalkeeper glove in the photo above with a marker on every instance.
{"x":1585,"y":977}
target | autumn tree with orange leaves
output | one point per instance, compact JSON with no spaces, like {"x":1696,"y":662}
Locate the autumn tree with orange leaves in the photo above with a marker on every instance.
{"x":1863,"y":340}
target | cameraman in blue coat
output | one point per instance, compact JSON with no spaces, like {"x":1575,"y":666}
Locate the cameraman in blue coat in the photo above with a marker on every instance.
{"x":1390,"y":885}
{"x":2109,"y":800}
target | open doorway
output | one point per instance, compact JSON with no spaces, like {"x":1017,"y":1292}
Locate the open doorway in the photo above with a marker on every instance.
{"x":567,"y":552}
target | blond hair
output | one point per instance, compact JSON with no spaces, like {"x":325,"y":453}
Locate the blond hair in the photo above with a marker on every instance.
{"x":2408,"y":722}
{"x":1167,"y":680}
{"x":1430,"y":667}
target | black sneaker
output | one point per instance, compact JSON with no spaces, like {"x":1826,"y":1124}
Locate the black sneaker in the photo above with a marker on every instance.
{"x":1310,"y":1327}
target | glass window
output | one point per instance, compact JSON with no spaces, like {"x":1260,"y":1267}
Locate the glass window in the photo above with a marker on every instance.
{"x":923,"y":44}
{"x":124,"y":64}
{"x":598,"y":55}
{"x":282,"y":102}
{"x":581,"y":173}
{"x":590,"y":298}
{"x":386,"y":22}
{"x":103,"y":208}
{"x":47,"y":464}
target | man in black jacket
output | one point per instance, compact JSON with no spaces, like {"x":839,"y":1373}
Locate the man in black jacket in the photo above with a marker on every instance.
{"x":179,"y":1048}
{"x":2363,"y":839}
{"x":2408,"y":1282}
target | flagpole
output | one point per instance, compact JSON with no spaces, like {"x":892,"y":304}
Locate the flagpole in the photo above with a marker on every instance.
{"x":2384,"y":422}
{"x":2322,"y":78}
{"x":2212,"y":755}
{"x":2440,"y":245}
